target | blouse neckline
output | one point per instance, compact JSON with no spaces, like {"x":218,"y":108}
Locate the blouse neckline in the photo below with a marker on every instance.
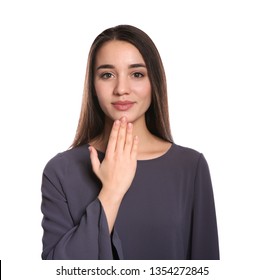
{"x":164,"y":155}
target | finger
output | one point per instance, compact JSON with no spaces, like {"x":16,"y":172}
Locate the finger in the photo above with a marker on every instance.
{"x":111,"y":146}
{"x":94,"y":160}
{"x":121,"y":136}
{"x":134,"y":150}
{"x":129,"y":137}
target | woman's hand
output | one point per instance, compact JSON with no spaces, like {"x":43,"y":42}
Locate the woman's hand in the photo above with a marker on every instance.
{"x":117,"y":170}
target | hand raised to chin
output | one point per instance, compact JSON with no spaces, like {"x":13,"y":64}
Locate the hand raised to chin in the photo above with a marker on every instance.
{"x":117,"y":170}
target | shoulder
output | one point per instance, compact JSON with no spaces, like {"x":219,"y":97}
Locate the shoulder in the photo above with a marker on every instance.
{"x":185,"y":157}
{"x":189,"y":157}
{"x":61,"y":162}
{"x":186,"y":161}
{"x":184,"y":153}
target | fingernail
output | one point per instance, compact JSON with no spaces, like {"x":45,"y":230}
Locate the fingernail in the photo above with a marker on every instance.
{"x":117,"y":122}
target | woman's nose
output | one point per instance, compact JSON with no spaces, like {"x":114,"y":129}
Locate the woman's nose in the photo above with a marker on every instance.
{"x":122,"y":86}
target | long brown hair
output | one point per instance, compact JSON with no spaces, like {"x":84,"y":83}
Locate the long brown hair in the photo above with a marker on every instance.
{"x":91,"y":121}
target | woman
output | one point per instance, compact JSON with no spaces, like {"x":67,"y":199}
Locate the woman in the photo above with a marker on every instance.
{"x":124,"y":190}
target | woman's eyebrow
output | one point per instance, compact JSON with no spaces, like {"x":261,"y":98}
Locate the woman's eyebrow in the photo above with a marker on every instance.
{"x":137,"y":65}
{"x":105,"y":66}
{"x":110,"y":66}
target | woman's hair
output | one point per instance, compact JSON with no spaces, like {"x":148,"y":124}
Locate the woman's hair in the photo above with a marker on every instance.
{"x":91,"y":121}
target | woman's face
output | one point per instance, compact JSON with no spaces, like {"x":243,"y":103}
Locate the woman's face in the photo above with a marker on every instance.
{"x":121,"y":81}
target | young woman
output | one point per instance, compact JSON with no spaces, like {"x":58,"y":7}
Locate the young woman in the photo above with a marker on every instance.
{"x":125,"y":190}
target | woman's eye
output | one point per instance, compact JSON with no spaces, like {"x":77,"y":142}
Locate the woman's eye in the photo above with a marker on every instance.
{"x":106,"y":75}
{"x":138,"y":75}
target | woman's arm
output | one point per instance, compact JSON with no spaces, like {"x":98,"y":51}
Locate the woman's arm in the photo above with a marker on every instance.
{"x":90,"y":238}
{"x":204,"y":226}
{"x":63,"y":238}
{"x":118,"y":168}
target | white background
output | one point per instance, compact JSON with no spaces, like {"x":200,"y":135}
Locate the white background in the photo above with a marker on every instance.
{"x":213,"y":53}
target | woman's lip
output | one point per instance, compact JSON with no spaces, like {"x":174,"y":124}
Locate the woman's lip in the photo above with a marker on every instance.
{"x":123,"y":105}
{"x":122,"y":102}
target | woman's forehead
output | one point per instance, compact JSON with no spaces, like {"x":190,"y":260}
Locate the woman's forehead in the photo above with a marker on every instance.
{"x":116,"y":52}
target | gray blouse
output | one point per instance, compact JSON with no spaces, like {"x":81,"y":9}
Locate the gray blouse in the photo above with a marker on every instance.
{"x":168,"y":212}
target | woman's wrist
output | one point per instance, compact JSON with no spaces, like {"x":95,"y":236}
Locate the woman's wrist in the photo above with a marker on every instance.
{"x":108,"y":195}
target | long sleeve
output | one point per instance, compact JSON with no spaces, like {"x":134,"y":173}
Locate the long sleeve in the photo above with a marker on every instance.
{"x":204,"y":240}
{"x":63,"y":238}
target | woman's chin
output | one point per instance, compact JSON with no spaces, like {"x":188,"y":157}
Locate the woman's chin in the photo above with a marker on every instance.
{"x":121,"y":115}
{"x":131,"y":118}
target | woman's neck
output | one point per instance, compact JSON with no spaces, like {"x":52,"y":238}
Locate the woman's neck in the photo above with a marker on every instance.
{"x":150,"y":146}
{"x":139,"y":129}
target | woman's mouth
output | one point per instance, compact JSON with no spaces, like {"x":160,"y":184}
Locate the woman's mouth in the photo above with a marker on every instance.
{"x":123,"y":105}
